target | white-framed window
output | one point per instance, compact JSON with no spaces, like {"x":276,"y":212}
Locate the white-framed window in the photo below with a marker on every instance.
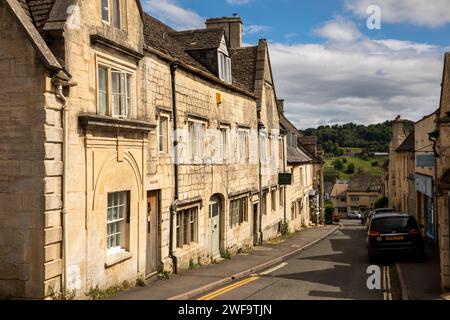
{"x":113,"y":91}
{"x":264,"y":203}
{"x":196,"y":135}
{"x":243,"y":145}
{"x":273,"y":200}
{"x":281,"y":197}
{"x":186,"y":227}
{"x":105,"y":11}
{"x":164,"y":133}
{"x":238,"y":211}
{"x":262,"y":147}
{"x":117,"y":213}
{"x":223,"y":145}
{"x":224,"y":68}
{"x":116,"y":14}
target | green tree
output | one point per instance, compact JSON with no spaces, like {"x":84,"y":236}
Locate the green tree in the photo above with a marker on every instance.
{"x":338,"y":165}
{"x":351,"y":169}
{"x":329,"y":209}
{"x":330,"y":175}
{"x":381,"y":202}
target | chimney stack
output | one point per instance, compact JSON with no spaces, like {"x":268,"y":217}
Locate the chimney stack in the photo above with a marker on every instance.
{"x":232,"y":27}
{"x":398,"y":132}
{"x":280,"y":104}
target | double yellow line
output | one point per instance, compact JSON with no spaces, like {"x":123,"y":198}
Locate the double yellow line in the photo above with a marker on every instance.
{"x":229,"y":288}
{"x":387,"y":283}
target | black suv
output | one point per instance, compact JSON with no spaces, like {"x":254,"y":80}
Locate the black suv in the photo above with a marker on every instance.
{"x":394,"y":233}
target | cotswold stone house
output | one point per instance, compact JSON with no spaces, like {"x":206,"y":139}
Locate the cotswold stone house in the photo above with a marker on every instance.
{"x":300,"y":163}
{"x":362,"y":192}
{"x":129,"y":148}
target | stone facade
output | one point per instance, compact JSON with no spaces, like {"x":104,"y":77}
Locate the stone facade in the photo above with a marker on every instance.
{"x":95,"y":188}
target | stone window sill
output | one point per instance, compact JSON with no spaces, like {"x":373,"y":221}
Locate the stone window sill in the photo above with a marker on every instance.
{"x":117,"y":258}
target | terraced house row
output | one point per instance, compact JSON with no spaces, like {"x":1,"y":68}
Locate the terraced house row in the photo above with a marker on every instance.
{"x":128,"y":148}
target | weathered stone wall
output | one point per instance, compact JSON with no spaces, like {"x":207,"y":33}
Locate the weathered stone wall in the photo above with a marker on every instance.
{"x":103,"y":161}
{"x":196,"y":96}
{"x":24,"y":162}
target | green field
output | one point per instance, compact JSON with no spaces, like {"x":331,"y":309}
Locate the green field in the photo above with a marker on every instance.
{"x":366,"y":166}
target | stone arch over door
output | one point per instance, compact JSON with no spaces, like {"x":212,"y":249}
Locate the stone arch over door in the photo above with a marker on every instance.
{"x":216,"y":223}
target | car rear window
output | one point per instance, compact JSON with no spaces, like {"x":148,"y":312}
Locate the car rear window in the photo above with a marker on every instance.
{"x":399,"y":224}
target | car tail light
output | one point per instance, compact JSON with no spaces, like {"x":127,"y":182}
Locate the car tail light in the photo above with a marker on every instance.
{"x":374,"y":234}
{"x":414,"y":232}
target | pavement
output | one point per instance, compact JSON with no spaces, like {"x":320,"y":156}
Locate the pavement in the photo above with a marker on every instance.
{"x":421,"y":280}
{"x":333,"y":269}
{"x":192,"y":283}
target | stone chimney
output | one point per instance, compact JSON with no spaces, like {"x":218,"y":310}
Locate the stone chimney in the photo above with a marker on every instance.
{"x":232,"y":27}
{"x":398,"y":132}
{"x":310,"y":144}
{"x":280,"y":104}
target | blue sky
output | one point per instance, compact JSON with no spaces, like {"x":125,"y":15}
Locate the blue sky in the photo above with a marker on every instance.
{"x":328,"y":65}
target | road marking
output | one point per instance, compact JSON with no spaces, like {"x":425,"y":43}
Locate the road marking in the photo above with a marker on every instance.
{"x":229,"y":288}
{"x":273,"y":269}
{"x":387,"y":284}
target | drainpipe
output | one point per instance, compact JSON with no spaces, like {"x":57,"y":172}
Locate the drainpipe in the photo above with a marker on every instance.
{"x":284,"y":189}
{"x":65,"y":124}
{"x":260,"y":186}
{"x":173,"y":207}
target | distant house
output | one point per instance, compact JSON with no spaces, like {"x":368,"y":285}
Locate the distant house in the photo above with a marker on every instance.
{"x":328,"y":188}
{"x":362,"y":192}
{"x":338,"y":196}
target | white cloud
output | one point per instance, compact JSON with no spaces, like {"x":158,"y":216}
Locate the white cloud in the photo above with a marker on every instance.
{"x":170,"y":12}
{"x":432,"y":13}
{"x":237,"y":2}
{"x":338,"y":29}
{"x":255,"y":29}
{"x":353,"y":78}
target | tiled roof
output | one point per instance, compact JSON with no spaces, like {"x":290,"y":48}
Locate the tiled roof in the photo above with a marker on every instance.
{"x":201,"y":39}
{"x":339,"y":189}
{"x":159,"y":36}
{"x":363,"y":183}
{"x":20,"y":10}
{"x":408,"y":144}
{"x":297,"y":156}
{"x":38,"y":11}
{"x":243,"y":67}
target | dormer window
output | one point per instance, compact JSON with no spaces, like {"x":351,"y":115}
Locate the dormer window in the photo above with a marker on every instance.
{"x":224,"y":67}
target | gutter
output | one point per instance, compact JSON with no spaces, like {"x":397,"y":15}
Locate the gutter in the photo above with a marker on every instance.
{"x":173,"y":207}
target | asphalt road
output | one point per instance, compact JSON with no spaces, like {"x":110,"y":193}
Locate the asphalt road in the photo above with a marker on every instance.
{"x":335,"y":268}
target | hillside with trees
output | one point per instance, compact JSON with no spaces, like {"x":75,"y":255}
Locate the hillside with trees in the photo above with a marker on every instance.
{"x":371,"y":138}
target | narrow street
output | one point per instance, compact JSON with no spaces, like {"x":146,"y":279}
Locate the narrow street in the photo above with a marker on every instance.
{"x":335,"y":268}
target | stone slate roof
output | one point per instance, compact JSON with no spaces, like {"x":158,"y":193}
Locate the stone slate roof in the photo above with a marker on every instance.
{"x":38,"y":11}
{"x":339,"y":190}
{"x":201,"y":39}
{"x":297,"y":156}
{"x":243,"y":67}
{"x":409,"y":144}
{"x":21,"y":10}
{"x":363,"y":183}
{"x":159,"y":36}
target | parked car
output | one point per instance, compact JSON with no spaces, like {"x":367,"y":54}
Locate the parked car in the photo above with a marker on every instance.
{"x":336,"y":217}
{"x":374,"y":212}
{"x":354,"y":215}
{"x":395,"y":233}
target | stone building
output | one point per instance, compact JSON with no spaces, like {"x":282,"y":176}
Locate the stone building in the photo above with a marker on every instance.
{"x":396,"y":183}
{"x":441,"y":140}
{"x":424,"y":177}
{"x":130,"y":148}
{"x":339,"y":198}
{"x":300,"y":163}
{"x":362,"y":192}
{"x":405,"y":184}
